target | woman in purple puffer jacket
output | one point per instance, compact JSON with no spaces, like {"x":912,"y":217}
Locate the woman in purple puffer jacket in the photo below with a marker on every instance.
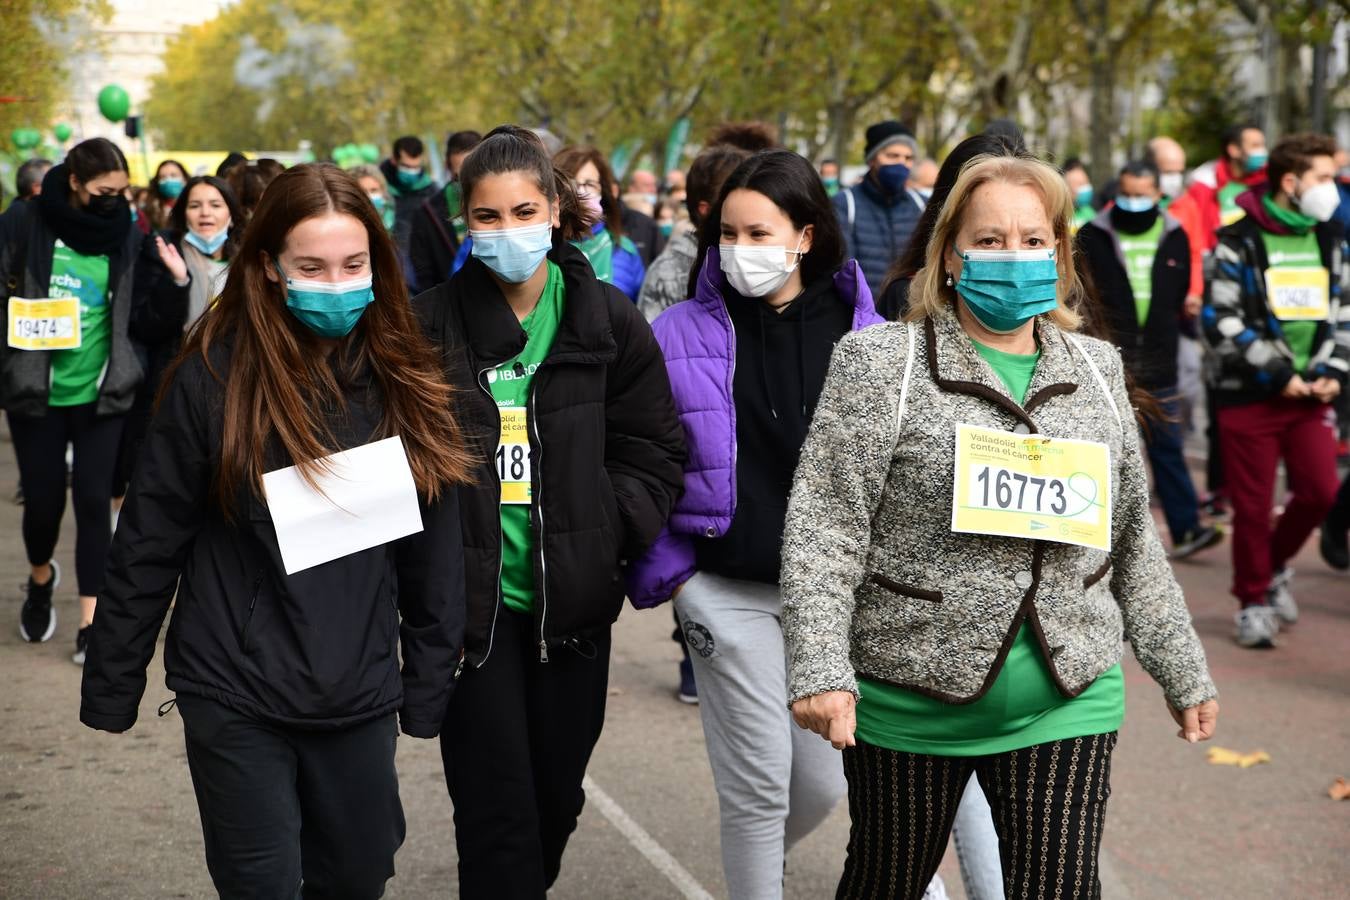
{"x":747,"y":357}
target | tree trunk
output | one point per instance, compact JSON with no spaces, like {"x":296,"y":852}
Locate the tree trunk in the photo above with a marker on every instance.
{"x":1102,"y":104}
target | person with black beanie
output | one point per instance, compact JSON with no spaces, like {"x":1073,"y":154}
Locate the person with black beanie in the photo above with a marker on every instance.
{"x":71,"y":270}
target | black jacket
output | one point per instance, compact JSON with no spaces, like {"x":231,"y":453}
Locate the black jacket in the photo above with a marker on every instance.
{"x":406,"y":204}
{"x":607,"y":448}
{"x":317,"y":649}
{"x":145,"y":303}
{"x":1150,"y":352}
{"x":643,"y":231}
{"x":433,"y":243}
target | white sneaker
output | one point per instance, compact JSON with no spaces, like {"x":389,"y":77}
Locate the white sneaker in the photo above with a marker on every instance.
{"x":1280,"y":598}
{"x":936,"y":890}
{"x":1257,"y":627}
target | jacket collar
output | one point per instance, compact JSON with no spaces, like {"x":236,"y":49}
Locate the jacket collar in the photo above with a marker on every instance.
{"x":849,"y":284}
{"x":585,"y":334}
{"x":956,"y":366}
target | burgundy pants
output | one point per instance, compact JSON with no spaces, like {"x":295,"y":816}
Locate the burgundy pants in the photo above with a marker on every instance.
{"x":1254,"y":438}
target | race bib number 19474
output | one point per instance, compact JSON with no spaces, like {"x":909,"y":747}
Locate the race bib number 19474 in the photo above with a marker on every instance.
{"x":52,"y":324}
{"x":1032,"y":486}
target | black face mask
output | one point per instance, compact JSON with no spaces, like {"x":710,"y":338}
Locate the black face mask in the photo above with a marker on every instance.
{"x":107,"y":205}
{"x":1133,"y":222}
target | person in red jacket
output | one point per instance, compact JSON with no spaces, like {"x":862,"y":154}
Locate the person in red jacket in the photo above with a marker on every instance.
{"x":1215,"y":186}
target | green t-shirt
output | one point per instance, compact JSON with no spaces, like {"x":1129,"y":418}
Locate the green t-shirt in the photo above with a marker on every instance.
{"x":76,"y":373}
{"x":1139,"y":251}
{"x":510,"y":386}
{"x":1295,"y":251}
{"x":1023,"y":707}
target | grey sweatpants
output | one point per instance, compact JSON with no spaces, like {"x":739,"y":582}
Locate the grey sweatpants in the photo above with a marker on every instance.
{"x":775,"y":781}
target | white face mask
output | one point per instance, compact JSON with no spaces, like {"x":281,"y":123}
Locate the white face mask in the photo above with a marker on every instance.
{"x":1319,"y":201}
{"x":1171,"y":184}
{"x":759,"y":270}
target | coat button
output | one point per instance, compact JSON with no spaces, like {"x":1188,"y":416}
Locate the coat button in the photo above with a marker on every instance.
{"x":1022,"y":428}
{"x":1022,"y":580}
{"x":710,"y":531}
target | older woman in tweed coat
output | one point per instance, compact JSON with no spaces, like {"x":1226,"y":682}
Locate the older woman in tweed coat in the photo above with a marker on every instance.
{"x":929,"y":653}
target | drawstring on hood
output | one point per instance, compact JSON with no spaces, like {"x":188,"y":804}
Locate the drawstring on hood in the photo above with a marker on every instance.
{"x":765,"y":313}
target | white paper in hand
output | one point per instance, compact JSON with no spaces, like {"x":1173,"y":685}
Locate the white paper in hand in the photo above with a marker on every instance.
{"x":368,"y":498}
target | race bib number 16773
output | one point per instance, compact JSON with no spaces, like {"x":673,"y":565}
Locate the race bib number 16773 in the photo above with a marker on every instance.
{"x":1032,"y":486}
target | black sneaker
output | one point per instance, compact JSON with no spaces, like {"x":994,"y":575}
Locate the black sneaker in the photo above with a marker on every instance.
{"x":1195,"y":540}
{"x":37,"y":622}
{"x":688,"y":689}
{"x":81,"y":644}
{"x":1334,"y":548}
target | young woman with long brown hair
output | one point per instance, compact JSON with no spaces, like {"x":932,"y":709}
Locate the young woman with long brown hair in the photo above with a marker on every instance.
{"x":308,"y":387}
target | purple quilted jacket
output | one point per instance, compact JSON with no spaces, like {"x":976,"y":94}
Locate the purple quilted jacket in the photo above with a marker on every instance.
{"x":699,"y":345}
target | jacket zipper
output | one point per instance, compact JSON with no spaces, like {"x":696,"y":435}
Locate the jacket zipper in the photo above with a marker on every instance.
{"x":538,"y":502}
{"x":252,"y":602}
{"x":501,"y":537}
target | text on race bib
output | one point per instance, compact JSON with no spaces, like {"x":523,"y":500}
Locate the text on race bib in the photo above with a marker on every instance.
{"x":1032,"y":486}
{"x":50,"y":324}
{"x":1299,"y":294}
{"x":513,"y":456}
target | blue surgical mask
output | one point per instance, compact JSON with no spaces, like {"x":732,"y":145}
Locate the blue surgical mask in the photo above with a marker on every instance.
{"x":207,"y":245}
{"x":514,"y":254}
{"x":170,"y":188}
{"x":666,"y":228}
{"x":1135,"y":204}
{"x":379,"y":202}
{"x":1084,"y":196}
{"x":1004,"y":289}
{"x":329,"y":309}
{"x":893,"y":177}
{"x":1253,"y":162}
{"x":408,"y":175}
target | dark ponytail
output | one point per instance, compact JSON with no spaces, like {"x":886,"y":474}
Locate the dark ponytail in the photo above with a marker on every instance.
{"x":89,"y":159}
{"x":511,"y":148}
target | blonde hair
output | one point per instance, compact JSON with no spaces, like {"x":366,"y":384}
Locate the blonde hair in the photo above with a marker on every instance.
{"x":929,"y":294}
{"x":367,"y":171}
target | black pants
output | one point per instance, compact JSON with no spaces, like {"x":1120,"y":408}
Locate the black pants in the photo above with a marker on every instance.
{"x":1339,"y":517}
{"x":517,"y":738}
{"x":1048,"y":803}
{"x":40,"y":445}
{"x":281,"y":805}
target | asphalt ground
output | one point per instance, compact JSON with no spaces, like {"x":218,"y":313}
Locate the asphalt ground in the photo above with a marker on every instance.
{"x":90,"y":815}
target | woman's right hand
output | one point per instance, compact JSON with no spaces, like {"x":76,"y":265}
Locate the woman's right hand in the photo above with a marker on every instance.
{"x":830,"y":715}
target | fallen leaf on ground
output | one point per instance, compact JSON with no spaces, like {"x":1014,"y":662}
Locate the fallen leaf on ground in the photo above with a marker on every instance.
{"x":1340,"y":790}
{"x":1218,"y":756}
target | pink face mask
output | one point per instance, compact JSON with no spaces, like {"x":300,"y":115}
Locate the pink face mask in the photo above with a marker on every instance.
{"x":591,"y":203}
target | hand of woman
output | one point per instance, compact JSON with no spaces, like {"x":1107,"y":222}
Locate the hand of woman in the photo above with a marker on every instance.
{"x":1198,"y":722}
{"x":1325,"y":389}
{"x":830,"y":715}
{"x":173,"y":261}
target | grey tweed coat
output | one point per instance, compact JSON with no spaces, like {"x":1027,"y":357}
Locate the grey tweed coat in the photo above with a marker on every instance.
{"x":875,"y":583}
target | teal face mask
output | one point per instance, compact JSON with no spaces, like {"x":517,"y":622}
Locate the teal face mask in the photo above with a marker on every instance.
{"x":329,"y":309}
{"x":1254,"y":161}
{"x":1004,"y":289}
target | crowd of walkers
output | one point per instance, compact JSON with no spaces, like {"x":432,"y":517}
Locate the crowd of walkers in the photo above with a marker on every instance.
{"x":394,"y":452}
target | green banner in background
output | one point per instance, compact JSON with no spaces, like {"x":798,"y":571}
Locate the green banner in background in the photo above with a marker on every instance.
{"x":622,"y":158}
{"x":679,"y":134}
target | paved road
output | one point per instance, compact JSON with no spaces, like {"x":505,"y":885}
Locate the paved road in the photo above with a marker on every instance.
{"x":91,"y":815}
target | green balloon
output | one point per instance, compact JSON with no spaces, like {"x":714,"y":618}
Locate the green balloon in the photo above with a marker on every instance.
{"x":62,"y":132}
{"x":370,"y":153}
{"x":114,"y":103}
{"x":25,"y":138}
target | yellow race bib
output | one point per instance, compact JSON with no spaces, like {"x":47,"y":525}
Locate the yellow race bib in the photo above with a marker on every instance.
{"x":513,"y":456}
{"x":1032,"y":486}
{"x":51,"y":324}
{"x":1299,"y":293}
